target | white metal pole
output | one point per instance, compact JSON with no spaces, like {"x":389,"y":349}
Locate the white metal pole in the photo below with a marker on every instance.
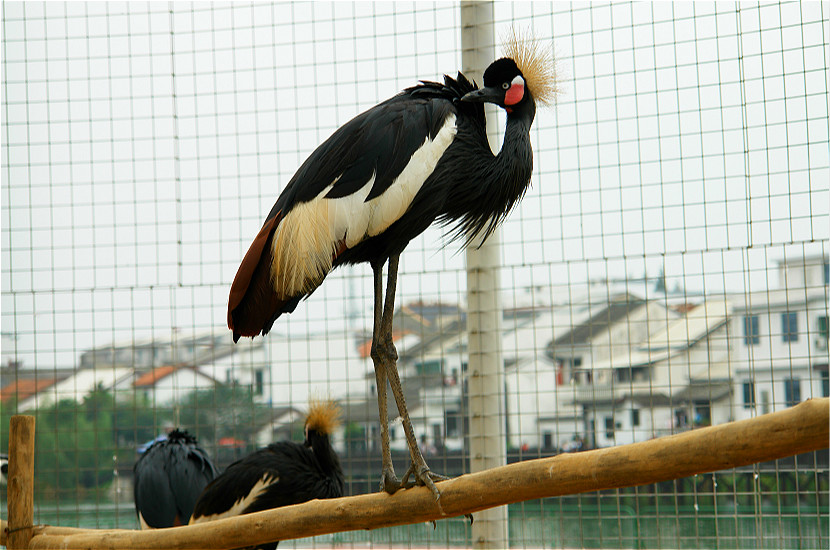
{"x":485,"y":370}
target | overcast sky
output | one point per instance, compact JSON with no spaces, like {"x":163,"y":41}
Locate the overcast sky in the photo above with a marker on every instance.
{"x":142,"y":148}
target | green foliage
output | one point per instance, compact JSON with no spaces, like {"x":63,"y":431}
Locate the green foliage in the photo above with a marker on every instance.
{"x":223,"y":411}
{"x":356,"y":437}
{"x":73,"y":446}
{"x":7,"y":410}
{"x":79,"y":445}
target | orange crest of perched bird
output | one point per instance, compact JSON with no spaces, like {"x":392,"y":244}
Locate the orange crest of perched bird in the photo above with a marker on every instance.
{"x":323,"y":416}
{"x":535,"y":59}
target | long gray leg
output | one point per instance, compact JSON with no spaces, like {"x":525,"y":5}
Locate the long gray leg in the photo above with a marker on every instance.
{"x":418,"y":467}
{"x":389,"y":481}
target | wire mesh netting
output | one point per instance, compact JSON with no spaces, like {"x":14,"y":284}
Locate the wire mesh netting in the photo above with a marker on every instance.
{"x":667,"y":269}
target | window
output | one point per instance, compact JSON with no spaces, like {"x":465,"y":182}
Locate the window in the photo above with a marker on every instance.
{"x":703,"y":413}
{"x":825,"y":382}
{"x":789,"y":327}
{"x":428,"y":367}
{"x":259,"y":382}
{"x":635,"y":417}
{"x":547,"y":439}
{"x":751,"y":332}
{"x":792,"y":391}
{"x":749,"y":394}
{"x":822,"y":327}
{"x":452,"y":423}
{"x":609,"y":427}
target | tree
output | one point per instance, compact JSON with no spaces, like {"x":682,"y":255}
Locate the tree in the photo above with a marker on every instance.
{"x":223,"y":411}
{"x":73,"y":448}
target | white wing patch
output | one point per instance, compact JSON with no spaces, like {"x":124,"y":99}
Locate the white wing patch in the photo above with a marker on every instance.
{"x":303,"y":248}
{"x":241,"y":504}
{"x":306,"y":240}
{"x":394,"y":202}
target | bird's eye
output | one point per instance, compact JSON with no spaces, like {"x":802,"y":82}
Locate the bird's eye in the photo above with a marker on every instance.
{"x":506,"y":85}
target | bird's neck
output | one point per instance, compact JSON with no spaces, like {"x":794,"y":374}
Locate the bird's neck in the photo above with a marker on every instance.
{"x":512,"y":159}
{"x":321,"y":447}
{"x":512,"y":166}
{"x":488,"y":186}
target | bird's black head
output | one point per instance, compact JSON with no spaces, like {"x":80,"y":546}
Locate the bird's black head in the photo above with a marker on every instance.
{"x":323,"y":418}
{"x":504,"y":85}
{"x":524,"y":76}
{"x":182,"y":436}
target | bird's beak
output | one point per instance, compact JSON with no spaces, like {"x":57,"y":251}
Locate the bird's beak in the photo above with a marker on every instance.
{"x":484,"y":95}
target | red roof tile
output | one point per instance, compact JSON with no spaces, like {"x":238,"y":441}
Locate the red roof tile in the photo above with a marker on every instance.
{"x":150,"y":378}
{"x":365,"y":348}
{"x":21,"y":389}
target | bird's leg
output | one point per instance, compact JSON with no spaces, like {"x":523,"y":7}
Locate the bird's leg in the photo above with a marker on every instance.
{"x":389,"y":481}
{"x":418,"y":467}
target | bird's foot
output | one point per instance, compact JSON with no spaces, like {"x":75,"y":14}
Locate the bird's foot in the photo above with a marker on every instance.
{"x":427,"y":477}
{"x":390,"y":483}
{"x":423,"y":476}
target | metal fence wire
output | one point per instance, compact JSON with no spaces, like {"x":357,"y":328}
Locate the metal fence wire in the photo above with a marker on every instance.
{"x":668,"y":268}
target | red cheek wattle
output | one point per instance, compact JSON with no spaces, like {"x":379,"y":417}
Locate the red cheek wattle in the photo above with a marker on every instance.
{"x":514,"y":94}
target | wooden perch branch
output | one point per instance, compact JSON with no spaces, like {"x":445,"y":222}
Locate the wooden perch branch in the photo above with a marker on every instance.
{"x":800,"y":429}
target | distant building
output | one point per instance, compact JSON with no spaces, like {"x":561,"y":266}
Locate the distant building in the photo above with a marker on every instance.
{"x":779,"y":340}
{"x":675,"y":379}
{"x":601,"y":370}
{"x":169,"y":384}
{"x":76,"y":386}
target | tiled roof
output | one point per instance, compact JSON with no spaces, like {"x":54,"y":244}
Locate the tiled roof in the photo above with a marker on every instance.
{"x":150,"y":378}
{"x":21,"y":389}
{"x":365,"y":348}
{"x":617,"y":310}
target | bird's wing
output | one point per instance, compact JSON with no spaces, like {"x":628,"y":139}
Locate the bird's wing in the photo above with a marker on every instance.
{"x":300,"y":479}
{"x":189,"y":472}
{"x":154,"y":501}
{"x":281,"y":474}
{"x":352,"y":187}
{"x":231,"y":492}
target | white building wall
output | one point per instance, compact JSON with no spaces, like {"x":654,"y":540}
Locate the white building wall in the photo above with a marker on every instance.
{"x":174,"y":388}
{"x":654,"y":422}
{"x":530,"y":394}
{"x":76,"y":387}
{"x":302,"y":366}
{"x":771,"y":362}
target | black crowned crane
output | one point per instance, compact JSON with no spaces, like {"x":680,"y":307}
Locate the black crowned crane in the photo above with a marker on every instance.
{"x":280,"y":474}
{"x":378,"y":182}
{"x":168,"y":478}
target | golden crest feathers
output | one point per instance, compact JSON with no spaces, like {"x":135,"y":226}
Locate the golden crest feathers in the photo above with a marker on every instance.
{"x":323,"y":416}
{"x":535,"y":61}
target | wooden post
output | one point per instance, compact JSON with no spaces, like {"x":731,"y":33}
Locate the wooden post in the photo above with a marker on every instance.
{"x":21,"y":481}
{"x":485,"y":370}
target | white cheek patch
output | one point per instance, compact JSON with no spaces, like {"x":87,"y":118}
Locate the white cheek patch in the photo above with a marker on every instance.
{"x":516,"y":91}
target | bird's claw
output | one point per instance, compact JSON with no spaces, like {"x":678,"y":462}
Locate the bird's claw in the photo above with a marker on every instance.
{"x":390,"y":483}
{"x":424,"y":477}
